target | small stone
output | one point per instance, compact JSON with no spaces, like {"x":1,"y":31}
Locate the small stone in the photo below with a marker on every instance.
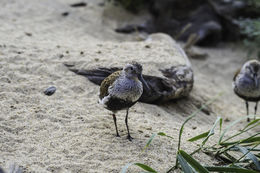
{"x":81,"y":53}
{"x":96,"y":59}
{"x":67,"y":52}
{"x":194,"y":127}
{"x":28,"y":34}
{"x":147,"y":46}
{"x":140,"y":131}
{"x":61,"y":56}
{"x":49,"y":91}
{"x":65,"y":14}
{"x":227,"y":120}
{"x":147,"y":136}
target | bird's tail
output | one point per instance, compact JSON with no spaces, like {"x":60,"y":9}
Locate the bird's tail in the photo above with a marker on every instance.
{"x":95,"y":75}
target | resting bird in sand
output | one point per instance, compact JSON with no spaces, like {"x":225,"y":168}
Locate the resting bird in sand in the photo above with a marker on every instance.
{"x":246,"y":83}
{"x":121,"y":90}
{"x":176,"y":83}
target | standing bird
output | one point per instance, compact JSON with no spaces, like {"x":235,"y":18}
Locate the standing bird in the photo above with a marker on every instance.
{"x":121,"y":90}
{"x":246,"y":83}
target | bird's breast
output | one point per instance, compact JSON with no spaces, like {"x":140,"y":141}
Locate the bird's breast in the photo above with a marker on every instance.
{"x":244,"y":85}
{"x":127,"y":89}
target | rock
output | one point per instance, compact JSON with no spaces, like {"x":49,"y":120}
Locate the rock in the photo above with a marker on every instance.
{"x":49,"y":91}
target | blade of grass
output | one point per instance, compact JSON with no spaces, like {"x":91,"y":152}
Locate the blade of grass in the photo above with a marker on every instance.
{"x":149,"y":141}
{"x":251,"y":123}
{"x":163,"y":134}
{"x":184,"y":164}
{"x":220,"y":125}
{"x":229,"y":126}
{"x":211,"y":132}
{"x":198,"y":137}
{"x":196,"y":165}
{"x":242,"y":131}
{"x":249,"y":155}
{"x":251,"y":139}
{"x":228,"y":169}
{"x":153,"y":136}
{"x":190,"y":117}
{"x":143,"y":166}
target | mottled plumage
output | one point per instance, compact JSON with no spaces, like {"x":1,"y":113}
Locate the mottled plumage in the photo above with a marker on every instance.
{"x":121,"y":90}
{"x":177,"y":83}
{"x":246,"y":83}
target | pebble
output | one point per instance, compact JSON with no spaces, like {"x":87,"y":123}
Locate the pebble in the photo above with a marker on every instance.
{"x":49,"y":91}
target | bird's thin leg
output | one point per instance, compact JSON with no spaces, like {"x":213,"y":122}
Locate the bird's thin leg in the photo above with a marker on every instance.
{"x":256,"y":104}
{"x":126,"y":117}
{"x":247,"y":112}
{"x":114,"y":117}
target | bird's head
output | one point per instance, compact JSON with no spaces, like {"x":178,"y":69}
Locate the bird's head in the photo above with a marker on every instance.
{"x":134,"y":70}
{"x":252,"y":69}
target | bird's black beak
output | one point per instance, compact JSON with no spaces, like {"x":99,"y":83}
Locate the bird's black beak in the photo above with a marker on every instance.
{"x":145,"y":85}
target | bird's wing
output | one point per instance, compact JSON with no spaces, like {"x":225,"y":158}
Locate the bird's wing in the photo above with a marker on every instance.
{"x":107,"y":82}
{"x":237,"y":72}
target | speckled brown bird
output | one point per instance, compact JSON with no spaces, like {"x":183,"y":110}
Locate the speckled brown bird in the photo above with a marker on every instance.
{"x":246,"y":83}
{"x":121,"y":90}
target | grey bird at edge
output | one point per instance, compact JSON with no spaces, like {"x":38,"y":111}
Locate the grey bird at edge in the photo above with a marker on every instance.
{"x":246,"y":83}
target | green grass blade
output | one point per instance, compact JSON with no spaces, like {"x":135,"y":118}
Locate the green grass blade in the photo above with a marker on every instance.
{"x":211,"y":132}
{"x":196,"y":165}
{"x":229,"y":126}
{"x":220,"y":124}
{"x":190,"y":117}
{"x":143,"y":166}
{"x":153,"y":136}
{"x":184,"y":164}
{"x":163,"y":134}
{"x":252,"y":139}
{"x":228,"y":169}
{"x":149,"y":141}
{"x":193,"y":115}
{"x":249,"y":155}
{"x":198,"y":137}
{"x":252,"y":123}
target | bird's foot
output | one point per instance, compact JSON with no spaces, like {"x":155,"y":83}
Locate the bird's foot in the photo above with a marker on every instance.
{"x":117,"y":135}
{"x":248,"y":119}
{"x":129,"y":138}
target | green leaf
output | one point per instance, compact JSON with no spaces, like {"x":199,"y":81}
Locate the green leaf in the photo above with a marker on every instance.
{"x":251,"y":123}
{"x":220,"y":124}
{"x":229,"y":126}
{"x":251,"y":139}
{"x":153,"y":136}
{"x":228,"y":169}
{"x":163,"y":134}
{"x":149,"y":141}
{"x":193,"y":115}
{"x":184,"y":164}
{"x":143,"y":166}
{"x":200,"y":136}
{"x":250,"y":156}
{"x":211,"y":132}
{"x":196,"y":165}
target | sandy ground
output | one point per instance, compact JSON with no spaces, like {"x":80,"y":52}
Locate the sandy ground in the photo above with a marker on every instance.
{"x":69,"y":131}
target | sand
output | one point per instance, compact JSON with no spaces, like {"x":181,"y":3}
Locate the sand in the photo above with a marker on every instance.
{"x":69,"y":131}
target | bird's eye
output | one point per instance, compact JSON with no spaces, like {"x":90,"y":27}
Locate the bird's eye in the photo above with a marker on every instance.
{"x":131,"y":68}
